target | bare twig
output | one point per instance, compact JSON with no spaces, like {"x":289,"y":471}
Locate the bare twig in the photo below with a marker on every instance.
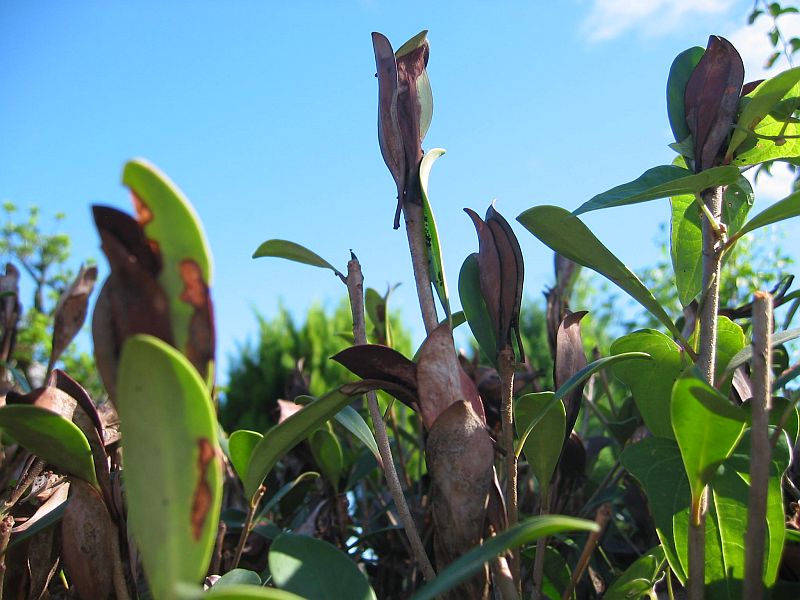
{"x":216,"y":563}
{"x":760,"y":450}
{"x":506,"y":372}
{"x":248,"y":523}
{"x":602,"y":517}
{"x":6,"y":524}
{"x":412,"y":213}
{"x":355,"y":290}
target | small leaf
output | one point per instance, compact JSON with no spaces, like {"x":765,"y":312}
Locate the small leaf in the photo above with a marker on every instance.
{"x":172,"y":465}
{"x":475,"y":310}
{"x":51,"y":437}
{"x":639,"y":578}
{"x":762,"y":101}
{"x":433,"y":249}
{"x":282,"y":438}
{"x":349,"y":418}
{"x":315,"y":569}
{"x":237,"y":577}
{"x":327,"y":453}
{"x":661,"y":182}
{"x":523,"y":532}
{"x":566,"y":234}
{"x":296,"y":252}
{"x":543,"y":445}
{"x":707,"y":427}
{"x":245,"y":592}
{"x":679,"y":74}
{"x":780,"y":211}
{"x":240,"y":448}
{"x":70,"y":312}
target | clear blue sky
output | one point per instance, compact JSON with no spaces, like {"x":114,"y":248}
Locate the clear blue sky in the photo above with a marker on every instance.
{"x":264,"y":113}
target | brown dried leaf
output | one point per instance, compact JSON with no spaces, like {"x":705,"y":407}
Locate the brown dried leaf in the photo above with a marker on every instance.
{"x":460,"y":460}
{"x":372,"y":361}
{"x":56,"y":499}
{"x":712,"y":99}
{"x":438,"y":375}
{"x":70,"y":312}
{"x":490,"y":271}
{"x":10,"y":310}
{"x":570,"y":358}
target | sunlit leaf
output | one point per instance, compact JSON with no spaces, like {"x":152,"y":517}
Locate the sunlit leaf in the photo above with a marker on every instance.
{"x":349,"y":418}
{"x":327,"y":453}
{"x":240,"y":447}
{"x":291,"y":251}
{"x":679,"y":74}
{"x":772,"y":139}
{"x":433,"y":249}
{"x":779,"y":211}
{"x":638,"y":578}
{"x":543,"y":445}
{"x":475,"y":310}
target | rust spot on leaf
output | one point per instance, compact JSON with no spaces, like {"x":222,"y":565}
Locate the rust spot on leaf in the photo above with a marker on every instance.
{"x":200,"y":347}
{"x":143,"y":213}
{"x":202,"y":495}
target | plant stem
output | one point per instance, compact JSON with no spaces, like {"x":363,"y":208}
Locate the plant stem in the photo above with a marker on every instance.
{"x":506,"y":372}
{"x":6,"y":524}
{"x":601,"y":518}
{"x":248,"y":523}
{"x":760,"y":450}
{"x":355,"y":290}
{"x":706,"y":359}
{"x":412,"y":213}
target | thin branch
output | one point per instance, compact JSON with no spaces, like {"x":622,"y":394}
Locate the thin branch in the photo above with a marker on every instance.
{"x":602,"y":517}
{"x":760,"y":450}
{"x":355,"y":290}
{"x":506,"y":372}
{"x":412,"y":213}
{"x":248,"y":523}
{"x":6,"y":524}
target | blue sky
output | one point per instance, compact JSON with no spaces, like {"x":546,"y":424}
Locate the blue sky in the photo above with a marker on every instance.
{"x":264,"y":113}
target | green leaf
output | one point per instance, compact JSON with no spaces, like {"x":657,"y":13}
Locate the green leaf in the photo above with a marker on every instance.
{"x":349,"y":418}
{"x":773,"y":139}
{"x":172,"y":469}
{"x":238,"y":577}
{"x":746,"y":353}
{"x":730,"y":341}
{"x":524,"y":532}
{"x":285,"y":436}
{"x":651,"y":381}
{"x":661,"y":182}
{"x":542,"y":447}
{"x":639,"y":578}
{"x":570,"y":384}
{"x":780,"y":211}
{"x":327,"y":453}
{"x":296,"y":252}
{"x":707,"y":428}
{"x":315,"y":569}
{"x":762,"y":101}
{"x":433,"y":249}
{"x":475,"y":310}
{"x":169,"y":219}
{"x":50,"y":436}
{"x":679,"y":74}
{"x":240,"y":448}
{"x":246,"y":592}
{"x":566,"y":234}
{"x":284,"y":490}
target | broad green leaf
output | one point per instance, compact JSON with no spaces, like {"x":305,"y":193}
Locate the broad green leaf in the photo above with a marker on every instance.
{"x":327,"y":452}
{"x":524,"y":532}
{"x":172,"y":469}
{"x":639,"y":578}
{"x":780,"y":211}
{"x":569,"y":385}
{"x":679,"y":74}
{"x":296,"y":252}
{"x":51,"y":437}
{"x":237,"y":577}
{"x":707,"y":428}
{"x":566,"y":234}
{"x":761,"y":102}
{"x":730,"y":341}
{"x":746,"y":353}
{"x":543,"y":445}
{"x":661,"y":182}
{"x":246,"y":592}
{"x":285,"y":436}
{"x":475,"y":310}
{"x":349,"y":418}
{"x":773,"y":140}
{"x":315,"y":569}
{"x":169,"y":219}
{"x":651,"y":381}
{"x":433,"y":249}
{"x":240,"y":448}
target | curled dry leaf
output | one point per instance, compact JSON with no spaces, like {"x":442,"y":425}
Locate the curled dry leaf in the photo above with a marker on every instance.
{"x":70,"y":312}
{"x":570,"y":358}
{"x":381,"y":363}
{"x":712,"y":99}
{"x":460,"y":459}
{"x":10,"y":309}
{"x":439,"y":379}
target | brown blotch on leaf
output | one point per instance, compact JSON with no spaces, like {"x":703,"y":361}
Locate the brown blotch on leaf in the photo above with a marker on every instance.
{"x":202,"y":495}
{"x":201,"y":342}
{"x":143,"y":213}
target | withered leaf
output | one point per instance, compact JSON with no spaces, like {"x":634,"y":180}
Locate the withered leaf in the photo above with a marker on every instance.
{"x":570,"y":358}
{"x":373,"y":361}
{"x":490,"y":270}
{"x":712,"y":99}
{"x":438,"y":375}
{"x":70,"y":312}
{"x":10,"y":309}
{"x":410,"y":69}
{"x":111,"y":222}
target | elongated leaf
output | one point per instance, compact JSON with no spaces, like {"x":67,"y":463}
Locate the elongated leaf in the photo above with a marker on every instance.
{"x":707,"y":428}
{"x":327,"y":453}
{"x":523,"y":532}
{"x":291,"y":251}
{"x":572,"y":383}
{"x":475,"y":310}
{"x":567,"y":235}
{"x":661,"y":182}
{"x":780,"y":211}
{"x":543,"y":445}
{"x":349,"y":418}
{"x":172,"y":466}
{"x":679,"y":74}
{"x":651,"y":381}
{"x":51,"y":437}
{"x":639,"y":578}
{"x":282,"y":438}
{"x":315,"y":569}
{"x":433,"y":249}
{"x":240,"y":447}
{"x":762,"y":101}
{"x":283,"y":491}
